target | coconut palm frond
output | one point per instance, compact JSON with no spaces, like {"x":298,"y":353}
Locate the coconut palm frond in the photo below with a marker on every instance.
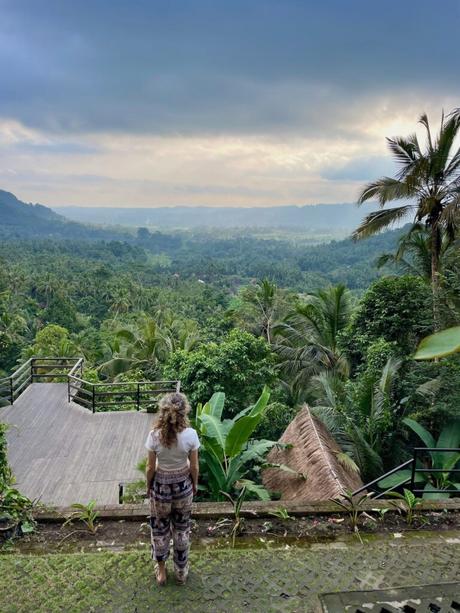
{"x":450,"y":219}
{"x":424,"y":121}
{"x":453,"y":166}
{"x":382,"y":391}
{"x":404,"y":150}
{"x":444,"y":143}
{"x":347,"y":462}
{"x":367,"y":459}
{"x":429,"y":388}
{"x":379,"y":220}
{"x":386,"y":190}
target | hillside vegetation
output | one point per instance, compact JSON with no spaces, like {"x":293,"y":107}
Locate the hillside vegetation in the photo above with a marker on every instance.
{"x":246,"y":315}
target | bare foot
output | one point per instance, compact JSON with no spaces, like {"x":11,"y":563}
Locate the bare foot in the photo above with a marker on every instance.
{"x":160,"y":573}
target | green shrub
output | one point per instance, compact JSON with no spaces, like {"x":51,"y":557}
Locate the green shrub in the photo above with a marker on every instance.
{"x":275,"y":421}
{"x":239,"y":366}
{"x":6,"y":477}
{"x":396,"y":309}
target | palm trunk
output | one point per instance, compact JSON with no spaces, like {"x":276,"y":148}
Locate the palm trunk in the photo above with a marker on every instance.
{"x":435,"y":284}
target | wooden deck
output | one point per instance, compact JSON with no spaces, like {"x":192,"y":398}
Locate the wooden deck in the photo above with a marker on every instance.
{"x":61,"y":453}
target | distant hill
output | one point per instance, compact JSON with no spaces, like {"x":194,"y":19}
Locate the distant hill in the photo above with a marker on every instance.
{"x":324,"y":217}
{"x":22,"y":220}
{"x":13,"y":212}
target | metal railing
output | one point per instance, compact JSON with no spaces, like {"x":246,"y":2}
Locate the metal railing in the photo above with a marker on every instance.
{"x":138,"y":395}
{"x":36,"y":369}
{"x":416,"y":466}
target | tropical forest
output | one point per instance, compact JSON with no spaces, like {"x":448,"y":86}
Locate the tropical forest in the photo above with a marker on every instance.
{"x":255,"y":327}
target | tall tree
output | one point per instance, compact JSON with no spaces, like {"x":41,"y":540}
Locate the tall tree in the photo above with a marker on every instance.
{"x":307,"y":340}
{"x":429,"y":180}
{"x":259,"y":307}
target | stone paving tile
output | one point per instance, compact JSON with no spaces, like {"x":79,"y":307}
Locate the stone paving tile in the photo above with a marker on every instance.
{"x":438,"y":597}
{"x":285,"y":580}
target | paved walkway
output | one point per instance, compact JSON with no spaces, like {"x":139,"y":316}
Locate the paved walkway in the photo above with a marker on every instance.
{"x":61,"y":453}
{"x":265,"y":580}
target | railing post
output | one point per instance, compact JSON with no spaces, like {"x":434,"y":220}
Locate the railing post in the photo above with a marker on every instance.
{"x":138,"y":396}
{"x":32,"y":370}
{"x":11,"y":390}
{"x":68,"y":387}
{"x":178,"y":387}
{"x":412,"y":477}
{"x":94,"y":400}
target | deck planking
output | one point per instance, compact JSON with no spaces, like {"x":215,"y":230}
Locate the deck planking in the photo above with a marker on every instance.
{"x":61,"y":453}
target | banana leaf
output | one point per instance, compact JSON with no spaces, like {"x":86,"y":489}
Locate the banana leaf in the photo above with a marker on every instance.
{"x":254,"y":488}
{"x":215,"y":405}
{"x":242,"y":427}
{"x":216,"y":429}
{"x":396,"y":478}
{"x":421,"y":432}
{"x":439,"y":344}
{"x":438,"y":495}
{"x":256,"y":450}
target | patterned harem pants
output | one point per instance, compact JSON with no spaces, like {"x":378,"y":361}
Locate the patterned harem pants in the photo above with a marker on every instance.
{"x":170,"y":516}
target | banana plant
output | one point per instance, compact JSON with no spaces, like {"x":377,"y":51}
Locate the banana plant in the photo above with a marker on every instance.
{"x":228,"y":452}
{"x":439,"y":345}
{"x":443,"y":462}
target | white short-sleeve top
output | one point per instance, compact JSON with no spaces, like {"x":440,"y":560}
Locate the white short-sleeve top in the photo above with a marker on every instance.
{"x":176,"y":456}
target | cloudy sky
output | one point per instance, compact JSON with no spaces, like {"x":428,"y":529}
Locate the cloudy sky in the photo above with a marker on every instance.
{"x":213,"y":102}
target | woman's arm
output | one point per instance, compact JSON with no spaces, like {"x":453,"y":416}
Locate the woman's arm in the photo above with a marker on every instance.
{"x":194,"y":469}
{"x":150,"y":472}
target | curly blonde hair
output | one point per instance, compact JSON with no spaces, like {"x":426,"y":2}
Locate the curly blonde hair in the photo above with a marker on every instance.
{"x":172,"y":417}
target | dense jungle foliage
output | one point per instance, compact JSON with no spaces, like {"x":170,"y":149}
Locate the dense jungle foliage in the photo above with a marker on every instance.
{"x":233,"y":315}
{"x":237,"y":318}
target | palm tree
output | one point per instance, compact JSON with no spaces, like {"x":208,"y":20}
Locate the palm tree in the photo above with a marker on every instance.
{"x":413,"y":255}
{"x":148,"y":343}
{"x":136,"y":346}
{"x":307,"y":340}
{"x":260,"y":308}
{"x":429,"y":180}
{"x":359,"y":423}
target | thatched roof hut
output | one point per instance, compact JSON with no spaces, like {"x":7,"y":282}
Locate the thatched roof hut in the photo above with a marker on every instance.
{"x":315,"y":453}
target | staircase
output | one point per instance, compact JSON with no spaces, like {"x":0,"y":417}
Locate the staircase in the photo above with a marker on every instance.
{"x":410,"y":471}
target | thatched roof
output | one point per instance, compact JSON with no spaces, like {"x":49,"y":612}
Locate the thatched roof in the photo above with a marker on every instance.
{"x":315,"y":454}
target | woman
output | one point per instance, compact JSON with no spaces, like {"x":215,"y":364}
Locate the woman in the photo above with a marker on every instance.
{"x":172,"y":480}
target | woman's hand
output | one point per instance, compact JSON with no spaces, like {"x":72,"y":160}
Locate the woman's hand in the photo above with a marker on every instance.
{"x":194,"y":472}
{"x":150,"y":472}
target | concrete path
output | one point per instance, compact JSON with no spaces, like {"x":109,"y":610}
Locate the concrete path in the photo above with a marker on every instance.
{"x":250,"y":581}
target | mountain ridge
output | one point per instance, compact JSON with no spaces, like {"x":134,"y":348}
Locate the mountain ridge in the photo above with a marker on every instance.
{"x":309,"y":217}
{"x":20,"y":219}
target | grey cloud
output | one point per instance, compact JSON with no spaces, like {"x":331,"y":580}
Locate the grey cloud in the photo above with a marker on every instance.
{"x":58,"y":148}
{"x":210,"y":66}
{"x":360,"y":169}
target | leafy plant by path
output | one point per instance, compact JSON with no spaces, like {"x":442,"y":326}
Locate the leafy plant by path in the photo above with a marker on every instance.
{"x":86,"y":514}
{"x":381,"y":512}
{"x":5,"y":471}
{"x":237,"y":503}
{"x":407,"y":502}
{"x":353,"y":506}
{"x":16,"y":510}
{"x":281,"y":513}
